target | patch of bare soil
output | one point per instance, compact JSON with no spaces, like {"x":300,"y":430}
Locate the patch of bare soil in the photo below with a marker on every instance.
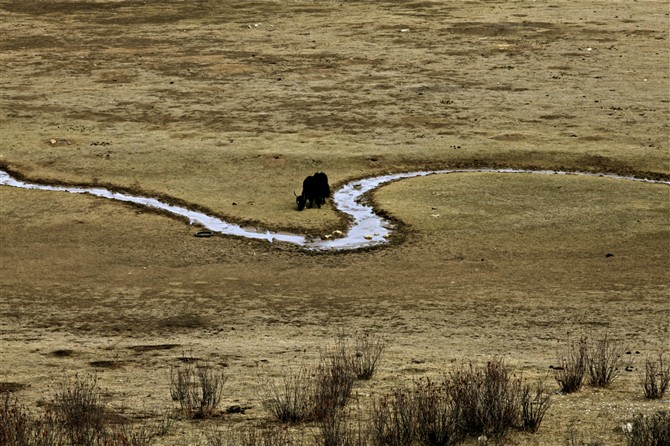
{"x":227,"y":106}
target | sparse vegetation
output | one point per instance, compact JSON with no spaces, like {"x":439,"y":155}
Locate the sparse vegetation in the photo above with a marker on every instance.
{"x":471,"y":402}
{"x":198,"y":389}
{"x":656,"y":378}
{"x":312,"y":394}
{"x":76,"y":417}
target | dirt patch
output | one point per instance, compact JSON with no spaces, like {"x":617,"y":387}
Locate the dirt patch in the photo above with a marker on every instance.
{"x":62,"y":353}
{"x":11,"y":387}
{"x":149,"y":348}
{"x":106,"y":364}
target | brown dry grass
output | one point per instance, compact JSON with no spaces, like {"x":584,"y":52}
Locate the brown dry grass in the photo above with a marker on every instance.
{"x":193,"y":101}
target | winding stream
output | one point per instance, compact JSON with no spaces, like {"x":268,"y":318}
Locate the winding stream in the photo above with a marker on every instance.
{"x":367,"y":228}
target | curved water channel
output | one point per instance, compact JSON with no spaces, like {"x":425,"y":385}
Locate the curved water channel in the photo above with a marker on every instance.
{"x":367,"y":228}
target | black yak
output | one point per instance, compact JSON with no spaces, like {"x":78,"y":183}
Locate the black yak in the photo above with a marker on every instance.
{"x":315,"y":190}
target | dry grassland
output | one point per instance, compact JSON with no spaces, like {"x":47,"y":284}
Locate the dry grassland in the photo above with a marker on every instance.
{"x":228,"y":105}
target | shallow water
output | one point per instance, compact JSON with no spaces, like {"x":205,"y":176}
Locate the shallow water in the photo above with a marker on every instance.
{"x":367,"y":228}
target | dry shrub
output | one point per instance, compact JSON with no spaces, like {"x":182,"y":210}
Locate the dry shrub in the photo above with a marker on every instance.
{"x":573,"y":364}
{"x":338,"y":430}
{"x":142,"y":434}
{"x":79,"y":411}
{"x":436,"y":415}
{"x":487,"y":400}
{"x":289,"y":400}
{"x":656,"y":378}
{"x":368,"y":351}
{"x":605,"y":361}
{"x":651,"y":430}
{"x":15,"y":424}
{"x":251,"y":437}
{"x":312,"y":394}
{"x":76,"y":417}
{"x":393,"y":418}
{"x":534,"y":405}
{"x":471,"y":402}
{"x":197,"y":388}
{"x":333,"y":382}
